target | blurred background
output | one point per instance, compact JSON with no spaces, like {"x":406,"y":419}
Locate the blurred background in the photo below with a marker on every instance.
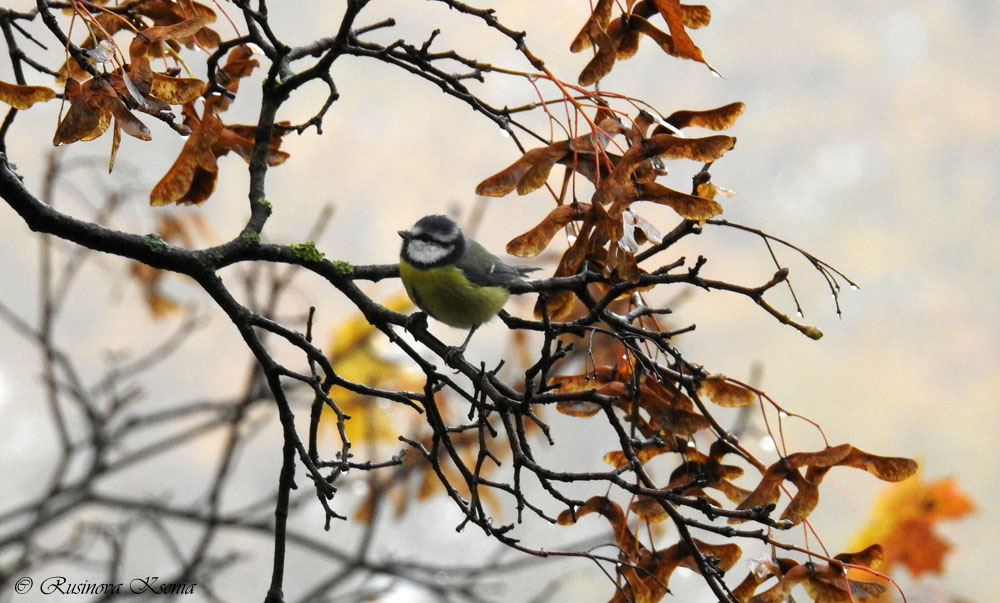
{"x":871,"y":138}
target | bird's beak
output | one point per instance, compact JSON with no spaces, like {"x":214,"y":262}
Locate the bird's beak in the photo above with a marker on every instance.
{"x":405,"y":234}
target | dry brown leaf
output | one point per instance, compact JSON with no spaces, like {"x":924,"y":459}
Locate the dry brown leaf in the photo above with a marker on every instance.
{"x":695,"y":15}
{"x":705,"y":150}
{"x":689,"y":207}
{"x":595,"y":25}
{"x":805,"y":500}
{"x":191,"y":179}
{"x":526,"y":174}
{"x":88,"y":115}
{"x":176,"y":90}
{"x":22,"y":97}
{"x":538,"y":238}
{"x":676,"y":18}
{"x":719,"y":118}
{"x":725,"y":393}
{"x":184,"y":29}
{"x":890,"y":469}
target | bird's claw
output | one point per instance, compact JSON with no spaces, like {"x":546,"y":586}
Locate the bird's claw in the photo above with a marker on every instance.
{"x":417,"y":320}
{"x":452,"y":353}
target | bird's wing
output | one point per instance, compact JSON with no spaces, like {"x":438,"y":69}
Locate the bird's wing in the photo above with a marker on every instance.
{"x":487,"y":270}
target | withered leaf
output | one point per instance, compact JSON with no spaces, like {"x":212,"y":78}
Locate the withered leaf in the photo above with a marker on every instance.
{"x":538,"y":238}
{"x":766,"y":492}
{"x":617,"y":186}
{"x":191,"y":179}
{"x":706,"y":149}
{"x":555,"y":306}
{"x":676,"y":18}
{"x":617,"y":458}
{"x":805,"y":500}
{"x":725,"y":393}
{"x":710,"y":190}
{"x":695,"y":15}
{"x":689,"y":207}
{"x":184,"y":29}
{"x":88,"y":115}
{"x":726,"y":555}
{"x":595,"y":25}
{"x":719,"y":118}
{"x":890,"y":469}
{"x":527,"y":173}
{"x":176,"y":90}
{"x":583,"y":382}
{"x":239,"y":138}
{"x":662,"y":38}
{"x":828,"y":457}
{"x":22,"y":97}
{"x":828,"y":584}
{"x":602,"y":62}
{"x":870,"y":556}
{"x":611,"y":511}
{"x":578,"y":408}
{"x":239,"y":64}
{"x":649,"y":509}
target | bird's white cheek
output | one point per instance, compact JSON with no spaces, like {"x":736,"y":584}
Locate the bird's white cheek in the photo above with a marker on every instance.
{"x":422,"y":252}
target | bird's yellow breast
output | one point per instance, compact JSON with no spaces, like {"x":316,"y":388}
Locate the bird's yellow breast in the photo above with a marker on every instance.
{"x":449,"y":297}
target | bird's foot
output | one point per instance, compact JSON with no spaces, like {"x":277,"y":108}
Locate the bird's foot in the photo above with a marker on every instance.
{"x":417,"y":320}
{"x":452,"y":353}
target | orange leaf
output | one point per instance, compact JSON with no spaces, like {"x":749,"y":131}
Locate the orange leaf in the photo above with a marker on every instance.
{"x":595,"y":25}
{"x":22,"y":97}
{"x":584,"y":382}
{"x":725,"y":393}
{"x":890,"y":469}
{"x":617,"y":458}
{"x":578,"y":408}
{"x":538,"y":238}
{"x":611,"y":511}
{"x":707,"y":149}
{"x":903,"y":521}
{"x":649,"y":509}
{"x":184,"y":29}
{"x":602,"y":62}
{"x":191,"y":179}
{"x":239,"y":64}
{"x":555,"y":306}
{"x":805,"y":500}
{"x":695,"y":15}
{"x":176,"y":90}
{"x":88,"y":115}
{"x":526,"y":174}
{"x":689,"y":207}
{"x":713,"y":119}
{"x":674,"y":15}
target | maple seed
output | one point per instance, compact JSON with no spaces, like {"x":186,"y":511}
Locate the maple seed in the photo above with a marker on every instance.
{"x":22,"y":97}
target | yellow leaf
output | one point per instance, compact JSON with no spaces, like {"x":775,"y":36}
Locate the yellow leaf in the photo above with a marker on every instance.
{"x":725,"y":393}
{"x":22,"y":97}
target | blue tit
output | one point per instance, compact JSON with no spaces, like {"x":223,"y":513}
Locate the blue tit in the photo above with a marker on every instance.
{"x":451,"y":277}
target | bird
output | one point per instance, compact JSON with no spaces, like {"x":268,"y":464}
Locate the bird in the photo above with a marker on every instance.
{"x":453,"y":278}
